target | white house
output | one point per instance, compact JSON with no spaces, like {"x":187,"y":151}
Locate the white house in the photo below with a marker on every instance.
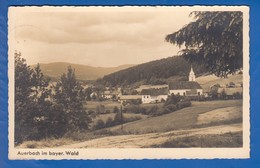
{"x":185,"y":88}
{"x":93,"y":94}
{"x":154,"y":95}
{"x":108,"y":94}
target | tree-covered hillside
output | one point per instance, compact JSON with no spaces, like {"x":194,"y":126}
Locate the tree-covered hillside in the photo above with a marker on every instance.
{"x":154,"y":72}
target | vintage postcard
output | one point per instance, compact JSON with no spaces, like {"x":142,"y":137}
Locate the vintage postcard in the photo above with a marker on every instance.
{"x":128,"y":82}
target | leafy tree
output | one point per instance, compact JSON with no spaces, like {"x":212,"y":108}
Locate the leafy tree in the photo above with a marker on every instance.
{"x":23,"y":81}
{"x":214,"y":91}
{"x":119,"y":118}
{"x":115,"y":110}
{"x":237,"y":95}
{"x":23,"y":100}
{"x":100,"y":124}
{"x":223,"y":95}
{"x":109,"y":122}
{"x":40,"y":84}
{"x":214,"y":39}
{"x":68,"y":95}
{"x":87,"y":93}
{"x":173,"y":99}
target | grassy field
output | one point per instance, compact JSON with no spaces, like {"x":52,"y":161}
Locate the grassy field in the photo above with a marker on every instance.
{"x":104,"y":117}
{"x":109,"y":105}
{"x":230,"y":140}
{"x":213,"y":136}
{"x":184,"y":119}
{"x":207,"y":81}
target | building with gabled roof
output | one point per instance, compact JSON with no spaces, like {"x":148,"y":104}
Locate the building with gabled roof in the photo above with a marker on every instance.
{"x":186,"y":88}
{"x":154,"y":95}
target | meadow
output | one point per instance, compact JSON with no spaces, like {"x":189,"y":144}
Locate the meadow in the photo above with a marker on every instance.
{"x":186,"y":118}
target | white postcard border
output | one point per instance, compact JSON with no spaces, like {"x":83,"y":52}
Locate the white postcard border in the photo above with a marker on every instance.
{"x":143,"y":153}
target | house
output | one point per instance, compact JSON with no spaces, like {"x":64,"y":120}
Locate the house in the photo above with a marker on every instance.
{"x":93,"y":95}
{"x":186,"y":88}
{"x":154,"y":95}
{"x":108,"y":94}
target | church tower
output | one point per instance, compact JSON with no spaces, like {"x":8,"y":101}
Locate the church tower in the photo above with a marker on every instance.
{"x":192,"y":75}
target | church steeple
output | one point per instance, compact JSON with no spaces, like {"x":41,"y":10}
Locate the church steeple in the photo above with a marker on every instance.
{"x":192,"y":76}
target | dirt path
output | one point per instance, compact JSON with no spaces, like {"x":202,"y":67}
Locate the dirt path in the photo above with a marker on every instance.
{"x":138,"y":141}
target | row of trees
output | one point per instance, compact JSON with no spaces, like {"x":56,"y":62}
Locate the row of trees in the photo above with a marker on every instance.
{"x":43,"y":111}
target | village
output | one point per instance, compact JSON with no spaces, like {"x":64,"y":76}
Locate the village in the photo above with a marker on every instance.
{"x":199,"y":101}
{"x":152,"y":94}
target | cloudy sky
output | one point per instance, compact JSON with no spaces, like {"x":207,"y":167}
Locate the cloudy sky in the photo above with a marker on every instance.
{"x":95,"y":36}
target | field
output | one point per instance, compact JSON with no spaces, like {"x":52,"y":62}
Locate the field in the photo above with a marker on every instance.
{"x":109,"y":105}
{"x":205,"y":124}
{"x":201,"y":135}
{"x":104,"y":117}
{"x":207,"y":81}
{"x":187,"y":118}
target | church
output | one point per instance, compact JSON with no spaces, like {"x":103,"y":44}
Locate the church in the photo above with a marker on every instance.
{"x":186,"y":88}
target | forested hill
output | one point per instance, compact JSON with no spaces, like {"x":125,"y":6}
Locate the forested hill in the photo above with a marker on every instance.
{"x":153,"y":72}
{"x":83,"y":72}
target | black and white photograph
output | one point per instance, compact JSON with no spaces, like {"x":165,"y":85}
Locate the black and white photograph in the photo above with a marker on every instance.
{"x":129,"y":82}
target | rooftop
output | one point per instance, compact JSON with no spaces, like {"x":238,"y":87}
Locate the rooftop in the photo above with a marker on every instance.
{"x":155,"y":92}
{"x":184,"y":85}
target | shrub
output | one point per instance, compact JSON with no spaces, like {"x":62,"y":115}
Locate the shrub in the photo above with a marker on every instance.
{"x":183,"y":104}
{"x":173,"y":99}
{"x":136,"y":102}
{"x":100,"y":124}
{"x":166,"y":111}
{"x":223,"y":95}
{"x":115,"y":110}
{"x":108,"y":111}
{"x":171,"y":107}
{"x":109,"y":122}
{"x":118,"y":119}
{"x":136,"y":109}
{"x":92,"y":114}
{"x":237,"y":95}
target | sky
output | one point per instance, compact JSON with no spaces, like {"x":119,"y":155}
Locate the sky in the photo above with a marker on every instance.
{"x":95,"y":36}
